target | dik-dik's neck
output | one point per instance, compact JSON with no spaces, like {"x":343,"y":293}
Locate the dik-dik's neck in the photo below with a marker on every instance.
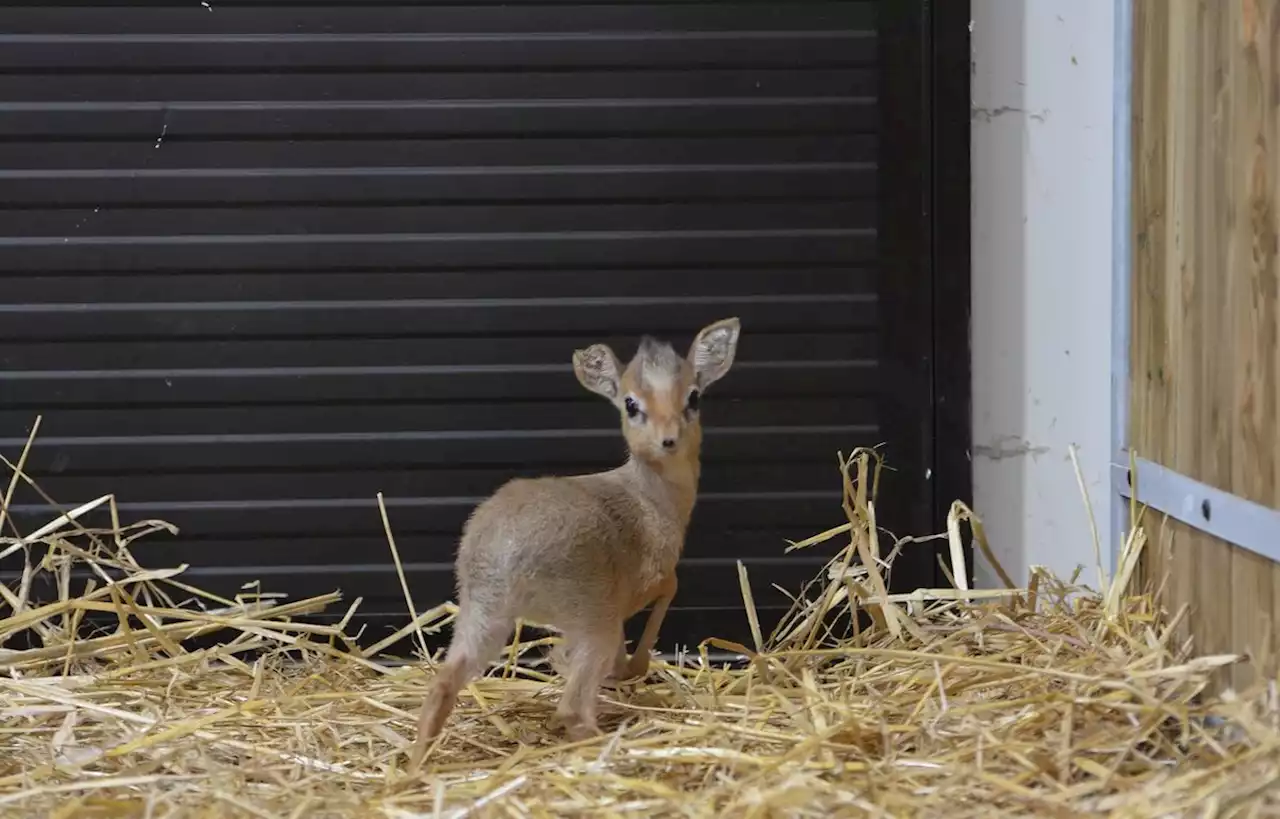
{"x":675,"y":478}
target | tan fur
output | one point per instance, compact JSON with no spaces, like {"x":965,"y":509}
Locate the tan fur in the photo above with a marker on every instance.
{"x":584,"y":553}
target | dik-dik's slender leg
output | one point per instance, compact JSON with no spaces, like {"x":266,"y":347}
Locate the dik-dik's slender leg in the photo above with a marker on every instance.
{"x":591,"y":653}
{"x":620,"y":661}
{"x":477,"y":638}
{"x":639,"y":663}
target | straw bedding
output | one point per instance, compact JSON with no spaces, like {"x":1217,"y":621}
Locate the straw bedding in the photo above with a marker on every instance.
{"x":1050,"y":700}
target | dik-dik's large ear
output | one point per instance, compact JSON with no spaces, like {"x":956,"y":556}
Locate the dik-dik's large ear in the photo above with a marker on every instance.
{"x":597,"y":368}
{"x":712,"y":352}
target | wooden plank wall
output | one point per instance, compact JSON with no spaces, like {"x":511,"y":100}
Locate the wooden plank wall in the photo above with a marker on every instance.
{"x":1205,"y":358}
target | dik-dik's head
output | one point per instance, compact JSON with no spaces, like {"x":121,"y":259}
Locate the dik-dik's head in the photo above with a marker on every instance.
{"x":658,"y":393}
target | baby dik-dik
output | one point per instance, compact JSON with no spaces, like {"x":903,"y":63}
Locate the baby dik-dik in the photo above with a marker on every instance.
{"x":584,"y":553}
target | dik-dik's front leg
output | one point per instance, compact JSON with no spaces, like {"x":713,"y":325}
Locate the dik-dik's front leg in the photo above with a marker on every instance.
{"x":638,"y":665}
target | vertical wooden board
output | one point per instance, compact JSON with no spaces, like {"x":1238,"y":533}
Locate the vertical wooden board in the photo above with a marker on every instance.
{"x":1251,"y":287}
{"x":1205,"y":359}
{"x":1269,"y":65}
{"x":1270,"y":32}
{"x":1180,"y":327}
{"x":1254,"y":274}
{"x":1205,"y":436}
{"x":1270,"y":623}
{"x":1253,"y":580}
{"x":1245,"y":628}
{"x":1148,"y":362}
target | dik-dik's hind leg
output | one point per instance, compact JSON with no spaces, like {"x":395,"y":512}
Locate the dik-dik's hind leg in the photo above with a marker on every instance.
{"x":477,"y":637}
{"x":638,"y":666}
{"x":591,"y":656}
{"x":620,"y":661}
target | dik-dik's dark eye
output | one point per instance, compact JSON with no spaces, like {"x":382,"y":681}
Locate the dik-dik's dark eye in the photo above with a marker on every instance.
{"x":632,"y":408}
{"x":692,"y":403}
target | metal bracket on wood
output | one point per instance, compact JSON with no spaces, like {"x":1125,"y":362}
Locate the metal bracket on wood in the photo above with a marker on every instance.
{"x":1227,"y":517}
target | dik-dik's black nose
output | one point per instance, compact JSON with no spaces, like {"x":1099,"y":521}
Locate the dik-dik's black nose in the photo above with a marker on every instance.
{"x":668,"y":443}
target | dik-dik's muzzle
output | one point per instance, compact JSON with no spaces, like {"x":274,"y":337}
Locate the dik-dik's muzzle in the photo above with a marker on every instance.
{"x":669,"y":436}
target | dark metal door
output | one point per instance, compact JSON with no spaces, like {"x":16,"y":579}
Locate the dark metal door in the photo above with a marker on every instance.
{"x":264,"y":260}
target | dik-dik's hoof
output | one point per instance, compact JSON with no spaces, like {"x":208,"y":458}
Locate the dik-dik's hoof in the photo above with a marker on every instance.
{"x":618,"y":675}
{"x":637,"y":668}
{"x":573,"y":727}
{"x":633,"y":670}
{"x":582,"y":732}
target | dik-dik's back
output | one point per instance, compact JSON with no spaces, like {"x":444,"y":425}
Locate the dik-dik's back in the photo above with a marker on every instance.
{"x":563,"y":549}
{"x":584,"y":553}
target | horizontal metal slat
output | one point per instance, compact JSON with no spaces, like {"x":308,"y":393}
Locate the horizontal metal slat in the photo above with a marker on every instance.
{"x":562,"y":317}
{"x":101,"y":190}
{"x":319,"y":549}
{"x":425,"y":52}
{"x":65,"y":87}
{"x":274,"y":517}
{"x":254,"y":286}
{"x":157,"y":121}
{"x":795,"y":246}
{"x":439,"y":154}
{"x":299,"y":223}
{"x":114,"y":389}
{"x":436,"y":350}
{"x":231,"y":18}
{"x":602,"y":446}
{"x":146,"y":485}
{"x":313,"y":547}
{"x":575,"y":408}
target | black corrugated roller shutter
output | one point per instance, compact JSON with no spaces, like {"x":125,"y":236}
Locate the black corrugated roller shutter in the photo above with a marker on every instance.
{"x":264,"y":260}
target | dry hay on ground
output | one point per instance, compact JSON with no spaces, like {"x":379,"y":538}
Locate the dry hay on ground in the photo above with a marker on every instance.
{"x":1048,"y":701}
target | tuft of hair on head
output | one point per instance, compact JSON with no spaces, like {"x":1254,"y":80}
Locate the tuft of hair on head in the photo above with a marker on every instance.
{"x":652,"y":349}
{"x":657,"y":360}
